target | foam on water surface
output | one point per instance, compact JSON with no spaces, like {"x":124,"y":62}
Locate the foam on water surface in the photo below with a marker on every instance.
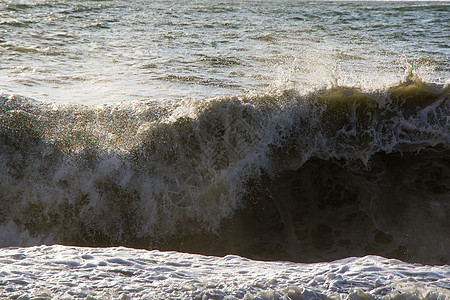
{"x":336,"y":173}
{"x":278,"y":129}
{"x":62,"y":272}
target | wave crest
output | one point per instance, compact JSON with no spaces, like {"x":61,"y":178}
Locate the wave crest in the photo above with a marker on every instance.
{"x":262,"y":174}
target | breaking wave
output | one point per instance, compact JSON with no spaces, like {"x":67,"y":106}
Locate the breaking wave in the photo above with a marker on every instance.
{"x":335,"y":173}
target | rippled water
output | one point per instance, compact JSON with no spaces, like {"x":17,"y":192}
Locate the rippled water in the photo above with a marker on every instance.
{"x":103,"y":51}
{"x":275,"y":130}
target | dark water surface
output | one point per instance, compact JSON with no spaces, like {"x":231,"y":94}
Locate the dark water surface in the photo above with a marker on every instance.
{"x":291,"y":130}
{"x":336,"y":173}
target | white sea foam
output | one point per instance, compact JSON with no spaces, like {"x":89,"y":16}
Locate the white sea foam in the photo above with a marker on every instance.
{"x":242,"y":169}
{"x":62,"y":272}
{"x":324,"y":150}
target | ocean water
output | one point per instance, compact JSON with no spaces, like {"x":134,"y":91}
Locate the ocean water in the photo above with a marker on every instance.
{"x":250,"y":150}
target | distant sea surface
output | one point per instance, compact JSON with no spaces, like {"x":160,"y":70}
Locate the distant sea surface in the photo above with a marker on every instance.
{"x":108,"y":51}
{"x":304,"y":146}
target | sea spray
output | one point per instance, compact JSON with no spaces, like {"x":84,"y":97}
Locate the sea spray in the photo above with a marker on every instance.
{"x":326,"y":175}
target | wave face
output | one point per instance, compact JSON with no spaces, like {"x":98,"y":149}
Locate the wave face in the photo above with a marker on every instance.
{"x":335,"y":173}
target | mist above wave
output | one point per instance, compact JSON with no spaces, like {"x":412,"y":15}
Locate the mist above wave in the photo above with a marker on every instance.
{"x":268,"y":176}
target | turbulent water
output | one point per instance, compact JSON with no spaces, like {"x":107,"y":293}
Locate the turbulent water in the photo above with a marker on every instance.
{"x":61,"y":272}
{"x":328,"y":175}
{"x":107,"y":51}
{"x":277,"y":130}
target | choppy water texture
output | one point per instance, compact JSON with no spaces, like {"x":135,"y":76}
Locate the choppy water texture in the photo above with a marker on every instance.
{"x":60,"y":272}
{"x":274,"y":130}
{"x":333,"y":174}
{"x":103,"y":51}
